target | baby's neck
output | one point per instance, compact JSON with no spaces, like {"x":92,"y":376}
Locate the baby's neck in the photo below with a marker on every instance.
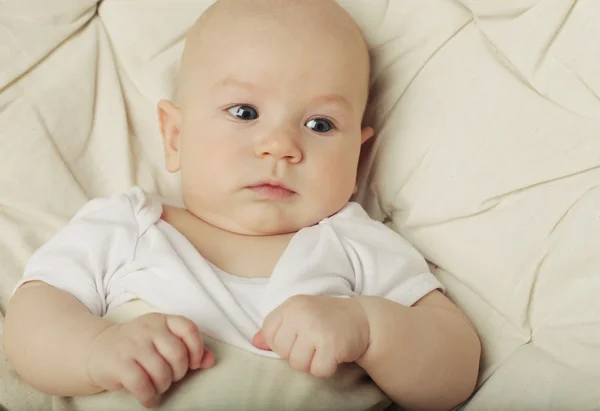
{"x":236,"y":254}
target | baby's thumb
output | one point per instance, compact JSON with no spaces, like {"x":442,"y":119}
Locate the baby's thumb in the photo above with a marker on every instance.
{"x":208,"y":359}
{"x":259,"y":342}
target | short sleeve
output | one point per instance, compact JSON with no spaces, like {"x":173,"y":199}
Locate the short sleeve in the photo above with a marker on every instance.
{"x":385,"y":264}
{"x":82,"y":257}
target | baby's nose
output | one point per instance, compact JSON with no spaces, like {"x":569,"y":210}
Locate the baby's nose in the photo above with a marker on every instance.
{"x":281,"y":145}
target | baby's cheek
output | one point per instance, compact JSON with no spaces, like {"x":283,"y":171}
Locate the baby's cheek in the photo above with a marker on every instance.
{"x":335,"y":179}
{"x":209,"y":155}
{"x":198,"y":167}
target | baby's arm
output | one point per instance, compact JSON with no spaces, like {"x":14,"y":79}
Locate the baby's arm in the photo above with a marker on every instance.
{"x":47,"y":337}
{"x":424,"y":357}
{"x":60,"y":348}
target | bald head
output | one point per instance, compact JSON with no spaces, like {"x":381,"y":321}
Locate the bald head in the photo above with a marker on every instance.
{"x":307,"y":27}
{"x":320,"y":12}
{"x":270,"y":90}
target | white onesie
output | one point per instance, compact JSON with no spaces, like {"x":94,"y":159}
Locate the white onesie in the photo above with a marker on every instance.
{"x":117,"y":249}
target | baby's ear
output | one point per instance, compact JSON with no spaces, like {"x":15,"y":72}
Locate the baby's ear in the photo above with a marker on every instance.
{"x":169,"y":118}
{"x":366,"y":133}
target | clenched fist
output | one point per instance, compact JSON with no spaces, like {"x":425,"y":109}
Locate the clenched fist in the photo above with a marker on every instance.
{"x":146,"y":355}
{"x":316,"y":333}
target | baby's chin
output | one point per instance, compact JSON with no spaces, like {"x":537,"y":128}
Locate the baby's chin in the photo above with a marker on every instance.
{"x":268,"y":227}
{"x":269,"y":222}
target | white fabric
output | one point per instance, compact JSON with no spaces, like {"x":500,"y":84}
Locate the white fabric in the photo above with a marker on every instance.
{"x":117,"y":249}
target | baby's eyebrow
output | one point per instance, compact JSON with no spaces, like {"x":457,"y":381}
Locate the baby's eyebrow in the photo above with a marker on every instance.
{"x":233,"y":82}
{"x":327,"y":99}
{"x":334,"y":99}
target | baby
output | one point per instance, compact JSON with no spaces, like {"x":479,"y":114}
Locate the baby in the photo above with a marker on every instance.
{"x":267,"y":254}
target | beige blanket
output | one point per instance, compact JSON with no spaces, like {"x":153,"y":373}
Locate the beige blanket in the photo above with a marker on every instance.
{"x":487,"y":158}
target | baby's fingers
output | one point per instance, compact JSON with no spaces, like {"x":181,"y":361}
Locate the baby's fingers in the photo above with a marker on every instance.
{"x":270,"y":328}
{"x":302,"y":355}
{"x":175,"y":353}
{"x":259,"y":342}
{"x":187,"y":331}
{"x":156,"y":367}
{"x":323,"y":364}
{"x":138,"y":383}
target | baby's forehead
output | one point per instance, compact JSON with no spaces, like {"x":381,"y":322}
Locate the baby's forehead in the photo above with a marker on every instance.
{"x":287,"y":35}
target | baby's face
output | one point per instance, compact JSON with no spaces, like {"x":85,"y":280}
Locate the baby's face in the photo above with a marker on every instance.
{"x":268,"y":135}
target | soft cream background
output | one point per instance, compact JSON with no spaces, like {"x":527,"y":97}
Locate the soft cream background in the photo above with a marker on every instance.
{"x":487,"y":158}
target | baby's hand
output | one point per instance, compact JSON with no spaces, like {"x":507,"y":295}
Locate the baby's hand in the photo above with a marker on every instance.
{"x":146,"y":355}
{"x":316,"y":333}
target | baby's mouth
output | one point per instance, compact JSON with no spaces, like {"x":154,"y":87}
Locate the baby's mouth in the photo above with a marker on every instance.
{"x":272,"y":190}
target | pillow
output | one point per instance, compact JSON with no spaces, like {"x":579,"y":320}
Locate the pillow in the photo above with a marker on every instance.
{"x":489,"y":163}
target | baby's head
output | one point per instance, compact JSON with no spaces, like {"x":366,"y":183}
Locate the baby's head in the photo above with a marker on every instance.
{"x":267,"y":128}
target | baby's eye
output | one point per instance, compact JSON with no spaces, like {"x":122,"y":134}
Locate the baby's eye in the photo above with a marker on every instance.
{"x":320,"y":125}
{"x":244,"y":112}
